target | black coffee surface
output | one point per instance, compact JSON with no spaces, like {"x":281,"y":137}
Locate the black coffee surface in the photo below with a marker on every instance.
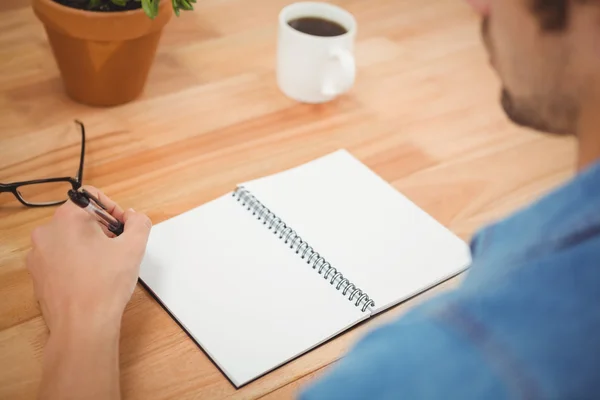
{"x":317,"y":26}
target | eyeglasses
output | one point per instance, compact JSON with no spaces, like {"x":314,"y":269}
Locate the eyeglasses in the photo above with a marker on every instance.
{"x":51,"y":191}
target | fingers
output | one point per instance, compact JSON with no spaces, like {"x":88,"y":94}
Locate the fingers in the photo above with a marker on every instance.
{"x":111,"y":207}
{"x":73,"y":218}
{"x":68,"y":210}
{"x":137,"y":224}
{"x":137,"y":229}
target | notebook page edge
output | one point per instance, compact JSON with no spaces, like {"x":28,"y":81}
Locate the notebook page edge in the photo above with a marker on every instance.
{"x":347,"y":328}
{"x":232,"y":377}
{"x":164,"y":304}
{"x":336,"y":153}
{"x":397,"y":193}
{"x":190,"y":333}
{"x":431,"y":285}
{"x":235,"y":378}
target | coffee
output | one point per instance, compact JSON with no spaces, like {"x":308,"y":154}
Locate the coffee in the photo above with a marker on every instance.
{"x":317,"y":26}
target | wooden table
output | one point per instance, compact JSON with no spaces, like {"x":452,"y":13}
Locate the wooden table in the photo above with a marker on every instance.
{"x":423,"y":114}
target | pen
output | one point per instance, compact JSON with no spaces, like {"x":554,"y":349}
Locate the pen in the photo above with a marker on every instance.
{"x":93,"y":206}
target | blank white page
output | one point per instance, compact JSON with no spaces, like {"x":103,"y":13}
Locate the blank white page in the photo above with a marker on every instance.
{"x":245,"y":297}
{"x":365,"y":228}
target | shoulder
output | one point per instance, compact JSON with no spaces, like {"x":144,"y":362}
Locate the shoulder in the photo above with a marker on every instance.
{"x":518,"y":327}
{"x":515,"y":331}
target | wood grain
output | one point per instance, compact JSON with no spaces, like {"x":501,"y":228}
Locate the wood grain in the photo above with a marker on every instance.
{"x":423,"y":114}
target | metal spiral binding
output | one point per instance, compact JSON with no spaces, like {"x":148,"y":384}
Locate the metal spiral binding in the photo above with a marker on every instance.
{"x":302,"y":248}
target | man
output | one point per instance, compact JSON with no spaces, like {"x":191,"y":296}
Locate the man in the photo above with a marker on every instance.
{"x":524,"y":325}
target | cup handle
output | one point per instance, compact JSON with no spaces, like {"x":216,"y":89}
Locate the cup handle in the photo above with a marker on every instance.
{"x":335,"y":84}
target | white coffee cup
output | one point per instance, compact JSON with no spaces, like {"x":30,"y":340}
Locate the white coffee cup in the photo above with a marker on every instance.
{"x":315,"y":69}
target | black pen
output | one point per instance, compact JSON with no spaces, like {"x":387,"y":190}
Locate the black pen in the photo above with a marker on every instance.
{"x":93,"y":206}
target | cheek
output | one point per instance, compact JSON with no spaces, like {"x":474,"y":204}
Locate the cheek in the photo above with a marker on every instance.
{"x":516,"y":42}
{"x":508,"y":56}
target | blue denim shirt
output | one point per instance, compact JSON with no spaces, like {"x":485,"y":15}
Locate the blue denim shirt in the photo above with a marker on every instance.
{"x":525,"y":323}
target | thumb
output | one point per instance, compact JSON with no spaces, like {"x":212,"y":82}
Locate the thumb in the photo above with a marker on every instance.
{"x":137,"y":228}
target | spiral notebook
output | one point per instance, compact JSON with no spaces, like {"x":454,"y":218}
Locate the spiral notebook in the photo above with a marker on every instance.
{"x":284,"y":263}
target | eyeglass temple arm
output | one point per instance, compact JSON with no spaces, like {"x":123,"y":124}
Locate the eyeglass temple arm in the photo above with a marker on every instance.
{"x":82,"y":156}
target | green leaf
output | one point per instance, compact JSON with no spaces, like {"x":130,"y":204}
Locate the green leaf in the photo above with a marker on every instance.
{"x":185,"y":5}
{"x":121,"y":3}
{"x":93,"y":4}
{"x":175,"y":7}
{"x":148,"y":8}
{"x":155,"y":3}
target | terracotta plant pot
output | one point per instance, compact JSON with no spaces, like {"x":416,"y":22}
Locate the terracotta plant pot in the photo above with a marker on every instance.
{"x":104,"y":57}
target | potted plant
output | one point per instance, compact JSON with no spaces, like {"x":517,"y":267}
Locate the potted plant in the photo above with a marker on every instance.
{"x":104,"y":48}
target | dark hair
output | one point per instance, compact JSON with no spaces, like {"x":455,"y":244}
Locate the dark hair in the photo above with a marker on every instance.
{"x":552,"y":14}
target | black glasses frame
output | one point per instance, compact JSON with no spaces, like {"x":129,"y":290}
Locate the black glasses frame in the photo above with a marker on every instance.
{"x":76,"y":182}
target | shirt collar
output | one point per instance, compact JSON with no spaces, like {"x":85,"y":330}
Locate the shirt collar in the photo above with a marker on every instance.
{"x":565,"y":216}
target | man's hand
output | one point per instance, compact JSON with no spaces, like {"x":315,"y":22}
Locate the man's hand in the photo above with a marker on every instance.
{"x":83,"y":280}
{"x":79,"y":273}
